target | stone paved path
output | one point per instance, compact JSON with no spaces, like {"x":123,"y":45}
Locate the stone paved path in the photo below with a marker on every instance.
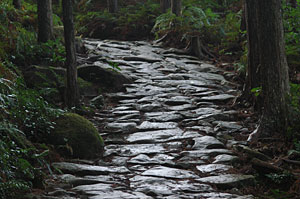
{"x":165,"y":136}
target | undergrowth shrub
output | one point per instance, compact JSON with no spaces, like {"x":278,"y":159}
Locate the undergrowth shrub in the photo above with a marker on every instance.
{"x":27,"y":108}
{"x":291,"y":21}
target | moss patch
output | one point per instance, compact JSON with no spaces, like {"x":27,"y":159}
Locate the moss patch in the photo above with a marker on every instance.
{"x":78,"y":135}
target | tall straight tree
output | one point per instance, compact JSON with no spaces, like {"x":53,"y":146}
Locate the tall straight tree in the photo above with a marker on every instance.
{"x":17,"y":4}
{"x":45,"y":20}
{"x":72,"y":93}
{"x":112,"y":6}
{"x":267,"y":60}
{"x":165,"y":5}
{"x":176,"y":7}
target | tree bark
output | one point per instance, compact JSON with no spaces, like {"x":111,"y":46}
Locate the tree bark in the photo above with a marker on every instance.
{"x":112,"y":6}
{"x":17,"y":4}
{"x":72,"y":93}
{"x":45,"y":20}
{"x":267,"y":59}
{"x":165,"y":5}
{"x":293,"y":3}
{"x":176,"y":7}
{"x":253,"y":76}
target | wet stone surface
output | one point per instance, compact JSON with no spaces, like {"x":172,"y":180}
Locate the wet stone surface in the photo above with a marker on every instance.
{"x":160,"y":132}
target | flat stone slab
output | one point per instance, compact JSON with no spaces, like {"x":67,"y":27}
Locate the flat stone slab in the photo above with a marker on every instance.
{"x":167,"y":172}
{"x":161,"y":187}
{"x":125,"y":112}
{"x":84,"y":169}
{"x":157,"y":125}
{"x":131,"y":150}
{"x":214,"y":168}
{"x":205,"y":152}
{"x":210,"y":195}
{"x":223,"y":125}
{"x":228,"y":180}
{"x":207,"y":142}
{"x":159,"y":159}
{"x":163,"y":116}
{"x":107,"y":191}
{"x":88,"y":180}
{"x":225,"y":158}
{"x":155,"y":136}
{"x":127,"y":126}
{"x":218,"y":98}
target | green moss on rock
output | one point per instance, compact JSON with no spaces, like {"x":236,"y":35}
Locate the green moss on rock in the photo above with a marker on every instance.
{"x":79,"y":135}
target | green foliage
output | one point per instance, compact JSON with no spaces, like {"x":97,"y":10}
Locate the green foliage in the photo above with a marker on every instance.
{"x":280,"y":178}
{"x":131,"y":20}
{"x":292,"y":32}
{"x":27,"y":108}
{"x":278,"y":194}
{"x":28,"y":51}
{"x":294,"y":110}
{"x":256,"y":91}
{"x":13,"y":164}
{"x":193,"y":20}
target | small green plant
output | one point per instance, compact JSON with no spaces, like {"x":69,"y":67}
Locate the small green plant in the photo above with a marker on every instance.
{"x":256,"y":91}
{"x":280,"y":178}
{"x":115,"y":66}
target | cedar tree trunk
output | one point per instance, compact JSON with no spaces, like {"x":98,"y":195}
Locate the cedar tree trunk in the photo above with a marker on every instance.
{"x":165,"y":5}
{"x":72,"y":93}
{"x":112,"y":6}
{"x":45,"y":20}
{"x":267,"y":60}
{"x":17,"y":4}
{"x":176,"y":7}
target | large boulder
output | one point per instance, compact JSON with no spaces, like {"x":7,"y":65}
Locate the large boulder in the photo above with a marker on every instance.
{"x":77,"y":136}
{"x":108,"y":79}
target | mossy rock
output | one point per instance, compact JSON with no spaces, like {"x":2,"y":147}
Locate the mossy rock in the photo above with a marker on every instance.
{"x":78,"y":135}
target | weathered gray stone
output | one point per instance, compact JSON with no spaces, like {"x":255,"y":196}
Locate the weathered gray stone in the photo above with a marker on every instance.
{"x":84,"y":169}
{"x":207,"y":142}
{"x":108,"y":79}
{"x":155,"y":136}
{"x":218,"y":98}
{"x":163,"y":116}
{"x":205,"y":152}
{"x":228,"y":180}
{"x":86,"y":180}
{"x":213,"y":168}
{"x":167,"y":172}
{"x":224,"y":158}
{"x":136,"y":149}
{"x":125,"y":127}
{"x":162,"y":187}
{"x":157,"y":125}
{"x":223,"y":125}
{"x":160,"y":159}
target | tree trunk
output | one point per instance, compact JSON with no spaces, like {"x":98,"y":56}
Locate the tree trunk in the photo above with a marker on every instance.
{"x":112,"y":6}
{"x":17,"y":4}
{"x":253,"y":76}
{"x":72,"y":93}
{"x":165,"y":5}
{"x":176,"y":7}
{"x":293,"y":3}
{"x":267,"y":59}
{"x":45,"y":20}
